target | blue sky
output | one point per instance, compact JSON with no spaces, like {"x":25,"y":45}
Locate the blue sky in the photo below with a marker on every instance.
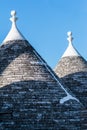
{"x":45,"y":23}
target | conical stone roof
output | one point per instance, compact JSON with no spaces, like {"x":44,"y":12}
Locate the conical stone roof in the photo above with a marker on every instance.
{"x":31,"y":95}
{"x":72,"y":69}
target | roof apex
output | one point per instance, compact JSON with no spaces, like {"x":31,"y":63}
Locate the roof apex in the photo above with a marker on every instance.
{"x":14,"y":33}
{"x":70,"y":51}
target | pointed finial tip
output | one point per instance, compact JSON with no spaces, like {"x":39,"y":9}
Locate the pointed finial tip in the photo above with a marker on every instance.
{"x":13,"y":13}
{"x":70,"y":38}
{"x":13,"y":16}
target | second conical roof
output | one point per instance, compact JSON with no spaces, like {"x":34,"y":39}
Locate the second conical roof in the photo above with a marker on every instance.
{"x":71,"y":61}
{"x":72,"y":69}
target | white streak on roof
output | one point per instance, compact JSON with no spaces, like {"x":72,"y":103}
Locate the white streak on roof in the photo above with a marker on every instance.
{"x":68,"y":97}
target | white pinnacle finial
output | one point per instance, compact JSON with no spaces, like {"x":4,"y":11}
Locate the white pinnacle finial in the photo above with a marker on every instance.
{"x":14,"y":33}
{"x":70,"y":38}
{"x":70,"y":51}
{"x":13,"y":18}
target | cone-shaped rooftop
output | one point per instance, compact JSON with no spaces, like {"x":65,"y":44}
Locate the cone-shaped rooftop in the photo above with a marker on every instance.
{"x":31,"y":95}
{"x":72,"y":68}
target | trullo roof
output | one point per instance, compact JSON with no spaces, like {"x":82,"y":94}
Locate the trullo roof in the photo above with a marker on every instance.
{"x":72,"y":69}
{"x":31,"y":95}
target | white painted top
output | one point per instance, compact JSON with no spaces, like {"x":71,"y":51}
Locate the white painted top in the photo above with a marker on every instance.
{"x":70,"y":51}
{"x":14,"y":33}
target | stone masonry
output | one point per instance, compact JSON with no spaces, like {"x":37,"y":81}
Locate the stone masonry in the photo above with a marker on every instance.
{"x":73,"y":73}
{"x":30,"y":93}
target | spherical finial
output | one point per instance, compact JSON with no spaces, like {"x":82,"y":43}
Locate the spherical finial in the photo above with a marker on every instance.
{"x":70,"y":38}
{"x":69,"y":33}
{"x":13,"y":16}
{"x":13,"y":13}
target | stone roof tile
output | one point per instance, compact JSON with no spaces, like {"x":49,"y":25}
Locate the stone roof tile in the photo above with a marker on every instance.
{"x":31,"y":95}
{"x":72,"y":69}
